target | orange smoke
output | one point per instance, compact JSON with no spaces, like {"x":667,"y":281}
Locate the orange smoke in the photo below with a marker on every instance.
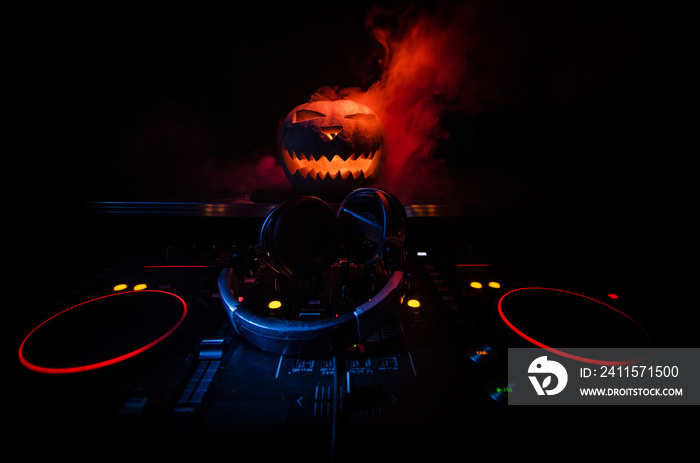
{"x":424,"y":73}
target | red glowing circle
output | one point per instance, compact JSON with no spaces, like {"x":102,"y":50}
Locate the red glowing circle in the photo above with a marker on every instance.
{"x":558,"y":351}
{"x":109,"y":361}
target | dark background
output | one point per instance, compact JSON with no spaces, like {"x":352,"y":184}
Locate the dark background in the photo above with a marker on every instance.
{"x":584,"y":99}
{"x":588,"y":103}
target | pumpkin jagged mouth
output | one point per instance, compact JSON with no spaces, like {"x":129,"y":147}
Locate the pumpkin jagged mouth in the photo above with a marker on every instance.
{"x":356,"y":166}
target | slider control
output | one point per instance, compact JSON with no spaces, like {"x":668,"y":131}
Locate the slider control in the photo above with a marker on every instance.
{"x":211,"y":349}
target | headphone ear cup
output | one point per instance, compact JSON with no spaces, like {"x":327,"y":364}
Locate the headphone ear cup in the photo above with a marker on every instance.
{"x":372,"y":222}
{"x":301,"y":237}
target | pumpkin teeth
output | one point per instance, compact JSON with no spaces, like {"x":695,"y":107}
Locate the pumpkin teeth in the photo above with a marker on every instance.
{"x":307,"y":166}
{"x":304,"y":171}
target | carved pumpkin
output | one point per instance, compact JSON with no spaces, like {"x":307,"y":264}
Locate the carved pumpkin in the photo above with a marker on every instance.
{"x":331,"y":146}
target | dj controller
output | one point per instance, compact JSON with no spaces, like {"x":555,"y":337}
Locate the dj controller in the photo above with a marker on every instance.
{"x":139,"y":332}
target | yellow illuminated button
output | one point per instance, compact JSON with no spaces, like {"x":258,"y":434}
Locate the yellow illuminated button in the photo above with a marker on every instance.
{"x":494,"y":284}
{"x":120,"y":287}
{"x":415,"y":303}
{"x":476,"y":285}
{"x":274,"y":305}
{"x":140,"y":287}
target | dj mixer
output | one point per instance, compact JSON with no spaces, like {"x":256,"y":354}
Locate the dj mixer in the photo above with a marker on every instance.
{"x":138,"y":332}
{"x":536,"y":153}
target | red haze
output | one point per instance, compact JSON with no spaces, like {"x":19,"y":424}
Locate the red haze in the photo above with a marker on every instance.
{"x":424,"y":73}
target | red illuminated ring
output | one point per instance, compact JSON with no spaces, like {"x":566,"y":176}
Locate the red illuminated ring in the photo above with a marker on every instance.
{"x":560,"y":352}
{"x":112,"y":361}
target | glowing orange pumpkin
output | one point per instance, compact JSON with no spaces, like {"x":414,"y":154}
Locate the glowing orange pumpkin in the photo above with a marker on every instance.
{"x":331,"y":146}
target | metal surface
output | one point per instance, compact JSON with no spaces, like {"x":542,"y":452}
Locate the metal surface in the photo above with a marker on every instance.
{"x":197,"y":209}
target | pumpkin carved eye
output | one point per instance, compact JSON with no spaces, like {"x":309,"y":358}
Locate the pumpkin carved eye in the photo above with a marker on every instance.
{"x":363,"y":117}
{"x":306,"y":114}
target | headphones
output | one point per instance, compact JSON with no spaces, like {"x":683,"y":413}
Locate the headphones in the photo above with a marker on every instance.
{"x":299,"y":240}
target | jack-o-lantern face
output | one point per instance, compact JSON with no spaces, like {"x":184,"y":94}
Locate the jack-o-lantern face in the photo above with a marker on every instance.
{"x":331,"y":146}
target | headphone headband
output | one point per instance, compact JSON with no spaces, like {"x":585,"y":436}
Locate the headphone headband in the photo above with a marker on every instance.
{"x":311,"y":338}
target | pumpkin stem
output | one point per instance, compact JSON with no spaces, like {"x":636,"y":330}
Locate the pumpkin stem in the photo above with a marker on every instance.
{"x":319,"y":97}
